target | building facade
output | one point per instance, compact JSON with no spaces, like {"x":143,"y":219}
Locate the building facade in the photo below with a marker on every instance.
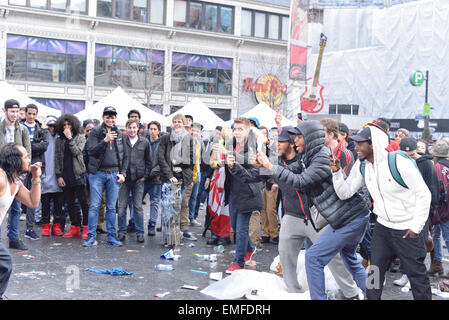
{"x":68,"y":54}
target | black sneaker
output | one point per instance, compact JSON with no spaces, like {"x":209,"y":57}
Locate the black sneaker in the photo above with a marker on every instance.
{"x":17,"y":244}
{"x":121,"y":237}
{"x":131,"y":227}
{"x":151,"y":231}
{"x":275,"y":240}
{"x":30,"y":234}
{"x":265,"y":239}
{"x":140,"y":238}
{"x":224,"y":241}
{"x":159,"y":229}
{"x":212,"y":241}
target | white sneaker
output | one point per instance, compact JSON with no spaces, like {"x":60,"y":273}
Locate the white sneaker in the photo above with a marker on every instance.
{"x":402,"y":282}
{"x":23,"y":217}
{"x":195,"y":223}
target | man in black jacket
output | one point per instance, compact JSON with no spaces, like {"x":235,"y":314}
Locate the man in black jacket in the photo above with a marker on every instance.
{"x":153,"y":185}
{"x":348,"y":219}
{"x":139,"y":167}
{"x":246,"y":191}
{"x":107,"y":169}
{"x":39,"y":144}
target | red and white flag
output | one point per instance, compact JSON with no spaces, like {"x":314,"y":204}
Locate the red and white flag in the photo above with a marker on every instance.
{"x":221,"y":223}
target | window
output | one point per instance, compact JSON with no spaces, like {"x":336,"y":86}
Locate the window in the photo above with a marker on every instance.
{"x":344,"y":109}
{"x":203,"y":16}
{"x":157,"y":11}
{"x":140,"y":11}
{"x":78,"y":6}
{"x":264,"y":25}
{"x":201,"y":74}
{"x":40,"y":4}
{"x":211,"y":17}
{"x":285,"y":28}
{"x":47,"y":60}
{"x":259,"y":24}
{"x":145,"y":11}
{"x":273,"y":26}
{"x":135,"y":68}
{"x":180,"y":10}
{"x":122,"y":9}
{"x":247,"y":23}
{"x":104,"y":8}
{"x":66,"y":106}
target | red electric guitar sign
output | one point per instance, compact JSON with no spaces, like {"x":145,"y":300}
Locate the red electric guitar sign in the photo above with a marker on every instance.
{"x":314,"y":102}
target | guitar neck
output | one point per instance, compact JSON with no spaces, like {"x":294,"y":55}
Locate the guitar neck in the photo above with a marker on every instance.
{"x":318,"y":67}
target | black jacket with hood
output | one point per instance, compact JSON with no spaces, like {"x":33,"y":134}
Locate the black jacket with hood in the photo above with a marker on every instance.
{"x":295,"y":202}
{"x":244,"y":182}
{"x":316,"y":179}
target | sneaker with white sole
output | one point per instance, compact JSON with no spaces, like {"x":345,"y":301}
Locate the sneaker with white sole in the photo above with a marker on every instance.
{"x":402,"y":282}
{"x":189,"y":236}
{"x":90,"y":241}
{"x":30,"y":234}
{"x":195,"y":223}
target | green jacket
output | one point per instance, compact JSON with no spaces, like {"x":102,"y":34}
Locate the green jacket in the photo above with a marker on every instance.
{"x":76,"y":145}
{"x":21,"y":136}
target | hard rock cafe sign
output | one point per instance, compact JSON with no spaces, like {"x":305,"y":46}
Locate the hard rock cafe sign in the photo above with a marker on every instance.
{"x":267,"y":88}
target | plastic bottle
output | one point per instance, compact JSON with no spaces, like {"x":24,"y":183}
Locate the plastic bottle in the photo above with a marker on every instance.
{"x":204,"y":257}
{"x":219,"y":249}
{"x":164,"y":267}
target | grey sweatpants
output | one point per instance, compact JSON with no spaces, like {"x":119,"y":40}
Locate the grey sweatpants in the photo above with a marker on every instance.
{"x":291,"y":238}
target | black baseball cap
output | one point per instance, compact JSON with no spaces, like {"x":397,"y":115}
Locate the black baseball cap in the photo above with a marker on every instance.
{"x":408,"y":144}
{"x":294,"y":130}
{"x":362,"y":135}
{"x":109,"y":110}
{"x":11,"y":103}
{"x":285,"y":134}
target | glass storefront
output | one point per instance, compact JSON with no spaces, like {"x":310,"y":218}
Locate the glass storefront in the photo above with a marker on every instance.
{"x":201,"y":74}
{"x":46,"y":60}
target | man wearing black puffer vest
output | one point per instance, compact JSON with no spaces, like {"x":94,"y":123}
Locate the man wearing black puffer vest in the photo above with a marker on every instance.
{"x":347,"y":218}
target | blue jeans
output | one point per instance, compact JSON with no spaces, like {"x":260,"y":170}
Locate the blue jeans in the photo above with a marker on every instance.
{"x":240,"y":224}
{"x":201,"y":194}
{"x":155,"y":192}
{"x":98,"y":182}
{"x":438,"y":244}
{"x":193,"y":196}
{"x":13,"y":221}
{"x":331,"y":242}
{"x":131,"y":193}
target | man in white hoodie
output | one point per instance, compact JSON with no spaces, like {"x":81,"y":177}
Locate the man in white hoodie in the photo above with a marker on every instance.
{"x":401,"y":203}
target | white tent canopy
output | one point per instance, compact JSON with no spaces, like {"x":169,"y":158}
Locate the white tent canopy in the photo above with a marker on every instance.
{"x":123,"y":103}
{"x":200,"y":113}
{"x":7,"y":91}
{"x":265,"y":115}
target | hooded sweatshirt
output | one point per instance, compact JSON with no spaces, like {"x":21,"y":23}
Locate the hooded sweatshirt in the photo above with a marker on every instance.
{"x":397,"y":207}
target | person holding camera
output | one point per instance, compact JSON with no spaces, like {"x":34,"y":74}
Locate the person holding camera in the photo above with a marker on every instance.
{"x":107,"y":170}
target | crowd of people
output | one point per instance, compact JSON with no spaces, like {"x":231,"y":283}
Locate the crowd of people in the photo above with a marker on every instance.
{"x":313,"y":186}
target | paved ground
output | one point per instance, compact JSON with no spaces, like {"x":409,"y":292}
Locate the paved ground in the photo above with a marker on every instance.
{"x":57,"y":264}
